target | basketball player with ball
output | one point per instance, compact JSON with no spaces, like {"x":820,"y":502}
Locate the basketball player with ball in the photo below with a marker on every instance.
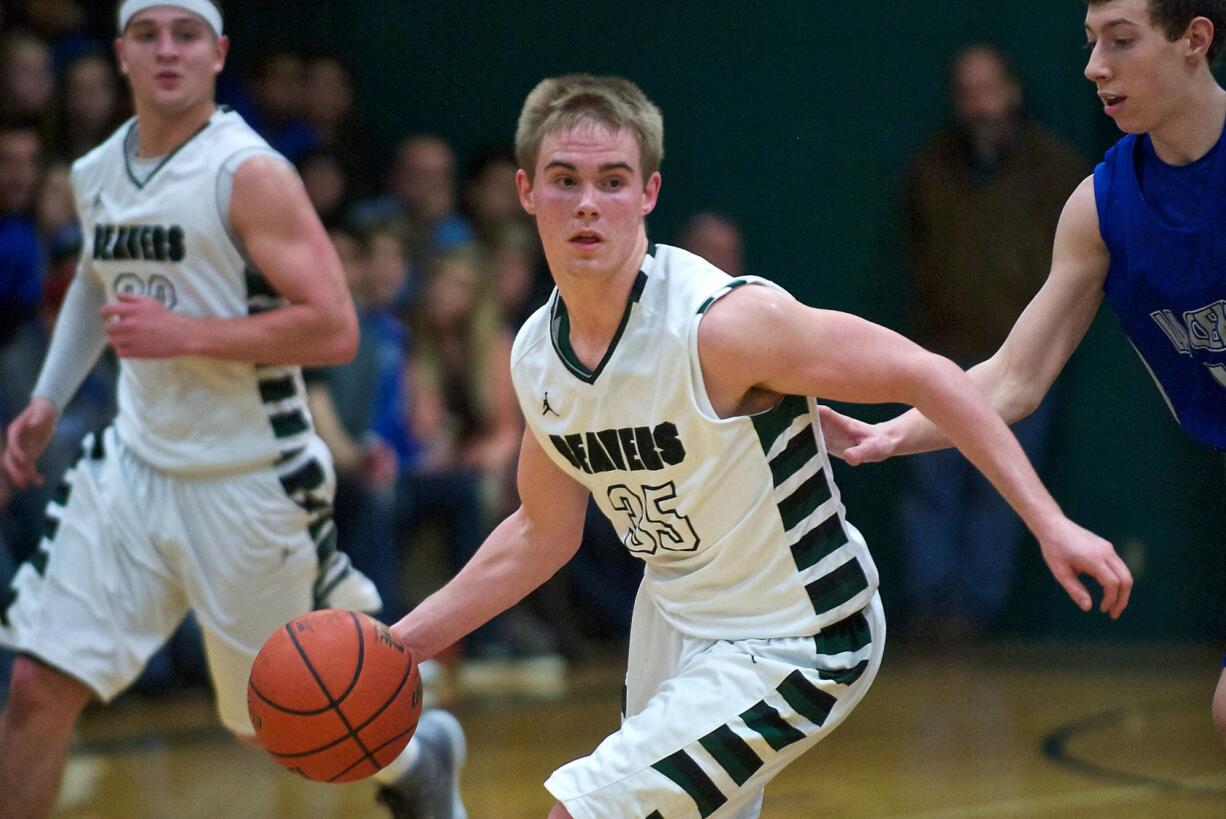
{"x":681,"y":400}
{"x":206,"y":269}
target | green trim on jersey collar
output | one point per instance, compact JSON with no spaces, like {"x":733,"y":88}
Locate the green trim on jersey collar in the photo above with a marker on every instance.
{"x":127,"y":163}
{"x":559,"y":328}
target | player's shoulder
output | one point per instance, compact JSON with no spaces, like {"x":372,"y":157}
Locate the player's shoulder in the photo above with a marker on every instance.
{"x":534,"y":332}
{"x":109,"y":151}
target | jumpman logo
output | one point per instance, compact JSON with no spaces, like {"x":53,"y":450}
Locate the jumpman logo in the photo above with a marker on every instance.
{"x":546,"y":409}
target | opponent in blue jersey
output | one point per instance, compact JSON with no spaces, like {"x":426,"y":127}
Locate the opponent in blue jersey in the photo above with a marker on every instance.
{"x":1144,"y":231}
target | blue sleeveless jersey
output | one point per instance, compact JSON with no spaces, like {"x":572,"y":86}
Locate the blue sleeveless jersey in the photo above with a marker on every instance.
{"x":1167,"y":282}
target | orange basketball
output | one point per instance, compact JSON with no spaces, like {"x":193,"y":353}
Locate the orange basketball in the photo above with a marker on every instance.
{"x":333,"y":696}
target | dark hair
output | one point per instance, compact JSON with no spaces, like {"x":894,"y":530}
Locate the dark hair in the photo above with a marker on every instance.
{"x":1174,"y":16}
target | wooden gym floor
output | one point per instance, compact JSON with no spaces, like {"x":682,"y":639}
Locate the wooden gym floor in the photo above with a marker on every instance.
{"x":994,"y":730}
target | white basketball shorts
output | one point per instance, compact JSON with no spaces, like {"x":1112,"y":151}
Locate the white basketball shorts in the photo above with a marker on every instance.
{"x":708,"y":723}
{"x":128,"y":550}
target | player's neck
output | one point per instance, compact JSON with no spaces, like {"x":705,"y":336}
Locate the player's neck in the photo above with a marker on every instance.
{"x":1195,"y":129}
{"x":596,"y":304}
{"x":158,"y":133}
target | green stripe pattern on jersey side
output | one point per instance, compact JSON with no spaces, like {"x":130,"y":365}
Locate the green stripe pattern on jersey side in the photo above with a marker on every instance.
{"x":280,"y":386}
{"x":789,"y":441}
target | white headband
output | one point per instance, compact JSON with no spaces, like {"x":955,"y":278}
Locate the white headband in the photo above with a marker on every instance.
{"x":201,"y":7}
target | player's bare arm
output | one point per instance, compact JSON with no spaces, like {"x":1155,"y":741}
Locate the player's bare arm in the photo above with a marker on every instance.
{"x":273,"y":217}
{"x":757,"y":342}
{"x":524,"y":551}
{"x":1019,"y":375}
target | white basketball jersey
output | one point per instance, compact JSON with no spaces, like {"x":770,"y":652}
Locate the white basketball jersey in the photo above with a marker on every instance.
{"x":738,"y":519}
{"x":165,"y":237}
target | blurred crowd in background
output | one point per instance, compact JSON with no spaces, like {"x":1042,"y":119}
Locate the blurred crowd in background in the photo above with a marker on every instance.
{"x":444,"y":265}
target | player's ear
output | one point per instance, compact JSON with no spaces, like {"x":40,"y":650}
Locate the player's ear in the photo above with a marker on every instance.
{"x":523,"y":186}
{"x":223,"y":48}
{"x":119,"y":58}
{"x":651,"y":193}
{"x":1199,"y":36}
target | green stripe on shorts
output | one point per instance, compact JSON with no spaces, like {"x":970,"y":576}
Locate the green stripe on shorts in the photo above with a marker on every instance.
{"x":849,"y":634}
{"x":843,"y":676}
{"x":684,"y":771}
{"x":807,"y":699}
{"x":772,"y":727}
{"x":732,"y":753}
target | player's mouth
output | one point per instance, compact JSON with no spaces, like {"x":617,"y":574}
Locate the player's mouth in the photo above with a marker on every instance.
{"x":1111,"y":102}
{"x":586,"y":240}
{"x":167,"y":78}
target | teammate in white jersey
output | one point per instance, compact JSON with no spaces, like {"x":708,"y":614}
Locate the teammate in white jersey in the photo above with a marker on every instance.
{"x":682,"y":401}
{"x":206,"y":269}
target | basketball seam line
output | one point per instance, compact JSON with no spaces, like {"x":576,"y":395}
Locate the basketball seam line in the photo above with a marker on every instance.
{"x":408,"y":672}
{"x":335,"y":704}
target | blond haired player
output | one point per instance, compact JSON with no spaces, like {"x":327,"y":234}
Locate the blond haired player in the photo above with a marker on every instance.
{"x":680,"y":399}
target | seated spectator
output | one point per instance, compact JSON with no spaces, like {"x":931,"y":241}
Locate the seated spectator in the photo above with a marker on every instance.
{"x":21,"y":265}
{"x":60,"y":235}
{"x":330,"y":110}
{"x":325,"y":175}
{"x":87,"y":106}
{"x":62,"y":24}
{"x":421,"y":201}
{"x":26,"y":78}
{"x":279,"y":114}
{"x":491,"y":201}
{"x":346,"y":402}
{"x":716,"y":238}
{"x":514,"y":273}
{"x":463,"y":346}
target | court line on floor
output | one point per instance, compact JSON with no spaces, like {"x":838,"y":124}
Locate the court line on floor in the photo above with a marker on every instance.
{"x":1055,"y":748}
{"x":1100,"y":797}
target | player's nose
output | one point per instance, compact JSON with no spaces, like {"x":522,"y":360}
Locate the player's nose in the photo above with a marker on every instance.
{"x":1096,"y":68}
{"x":586,"y":206}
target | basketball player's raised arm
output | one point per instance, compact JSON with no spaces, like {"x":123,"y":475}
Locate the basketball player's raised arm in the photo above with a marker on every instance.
{"x":757,"y":339}
{"x":1019,"y":375}
{"x":524,"y":551}
{"x":273,"y":218}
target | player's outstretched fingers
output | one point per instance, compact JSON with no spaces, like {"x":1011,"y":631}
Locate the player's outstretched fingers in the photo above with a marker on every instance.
{"x":1067,"y":578}
{"x":1125,"y":577}
{"x":1105,"y":574}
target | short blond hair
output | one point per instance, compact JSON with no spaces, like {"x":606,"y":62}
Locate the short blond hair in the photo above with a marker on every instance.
{"x":562,"y":103}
